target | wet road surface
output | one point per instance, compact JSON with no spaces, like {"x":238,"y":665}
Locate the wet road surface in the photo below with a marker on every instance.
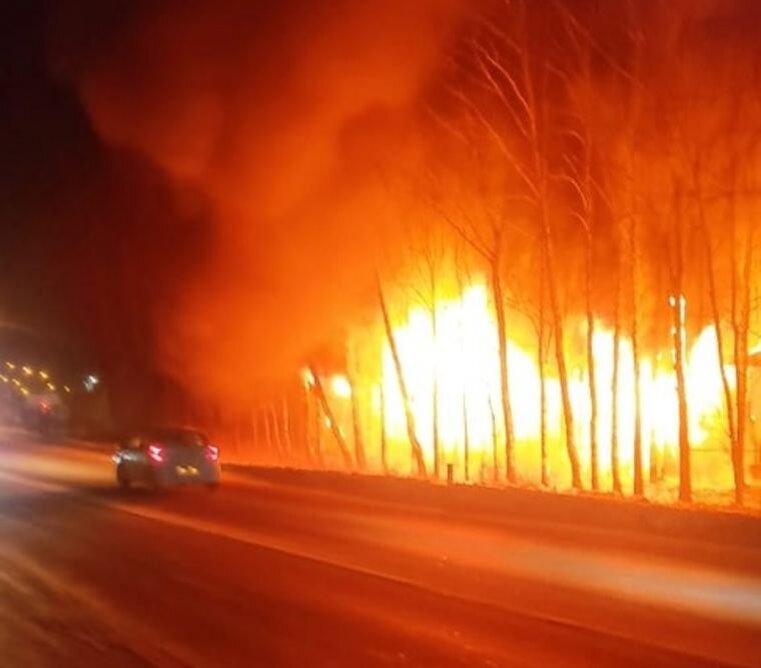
{"x":265,"y":573}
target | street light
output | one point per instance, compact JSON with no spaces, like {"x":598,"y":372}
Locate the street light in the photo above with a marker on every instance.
{"x":341,"y":386}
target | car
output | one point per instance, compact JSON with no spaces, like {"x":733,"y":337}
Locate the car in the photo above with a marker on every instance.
{"x":167,"y":457}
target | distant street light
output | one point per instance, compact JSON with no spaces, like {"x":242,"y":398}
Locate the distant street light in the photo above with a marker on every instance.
{"x":90,"y":382}
{"x":341,"y":386}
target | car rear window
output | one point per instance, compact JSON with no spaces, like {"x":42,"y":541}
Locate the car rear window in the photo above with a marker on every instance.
{"x":176,"y":437}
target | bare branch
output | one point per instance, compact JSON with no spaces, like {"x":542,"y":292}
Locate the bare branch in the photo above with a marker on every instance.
{"x":482,"y":53}
{"x":498,"y":140}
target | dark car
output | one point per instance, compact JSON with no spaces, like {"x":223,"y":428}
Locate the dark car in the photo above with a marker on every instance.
{"x":166,"y":457}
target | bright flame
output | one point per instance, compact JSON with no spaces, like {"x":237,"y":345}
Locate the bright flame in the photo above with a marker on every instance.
{"x":462,"y":360}
{"x":340,"y":386}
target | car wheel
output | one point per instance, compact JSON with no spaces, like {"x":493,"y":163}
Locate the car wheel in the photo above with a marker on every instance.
{"x":121,"y":478}
{"x":156,"y":483}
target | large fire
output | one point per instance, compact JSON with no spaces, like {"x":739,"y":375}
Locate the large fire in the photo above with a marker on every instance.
{"x":462,"y":359}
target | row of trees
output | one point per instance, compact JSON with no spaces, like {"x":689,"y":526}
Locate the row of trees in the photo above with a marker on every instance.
{"x":595,"y":166}
{"x":559,"y":148}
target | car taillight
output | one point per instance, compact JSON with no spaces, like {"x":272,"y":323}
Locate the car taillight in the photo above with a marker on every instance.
{"x":212,"y":453}
{"x":156,"y":453}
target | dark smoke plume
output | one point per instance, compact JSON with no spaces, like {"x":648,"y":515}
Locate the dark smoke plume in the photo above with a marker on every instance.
{"x":268,"y":114}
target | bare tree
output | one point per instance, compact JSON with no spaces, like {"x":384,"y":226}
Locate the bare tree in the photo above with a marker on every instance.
{"x":713,"y":299}
{"x":317,"y":426}
{"x":494,"y":440}
{"x":352,"y":375}
{"x":327,"y":410}
{"x":428,"y":246}
{"x":543,"y":340}
{"x":678,"y":303}
{"x":286,"y":419}
{"x":383,"y":434}
{"x":534,"y":109}
{"x":409,"y":413}
{"x":615,"y":461}
{"x":634,"y":284}
{"x":741,"y":282}
{"x":578,"y":175}
{"x":505,"y":69}
{"x":359,"y":443}
{"x":490,"y":247}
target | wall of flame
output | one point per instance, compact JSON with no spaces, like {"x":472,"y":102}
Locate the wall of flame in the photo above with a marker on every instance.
{"x":463,"y":358}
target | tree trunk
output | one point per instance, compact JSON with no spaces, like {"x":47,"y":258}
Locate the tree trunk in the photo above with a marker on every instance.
{"x":409,"y":415}
{"x":268,"y":435}
{"x":558,"y":327}
{"x":435,"y":392}
{"x":383,"y":435}
{"x":716,"y":316}
{"x":494,"y":440}
{"x":306,"y":426}
{"x":685,"y":481}
{"x":272,"y":413}
{"x":328,"y":412}
{"x":639,"y":486}
{"x":678,"y":330}
{"x":285,"y":414}
{"x":318,"y":430}
{"x":741,"y":288}
{"x":593,"y":444}
{"x":741,"y":369}
{"x":615,"y":465}
{"x":654,"y":456}
{"x":359,"y":444}
{"x":545,"y":478}
{"x":504,"y":376}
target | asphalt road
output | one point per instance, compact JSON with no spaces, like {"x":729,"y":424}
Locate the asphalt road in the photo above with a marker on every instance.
{"x":262,"y":573}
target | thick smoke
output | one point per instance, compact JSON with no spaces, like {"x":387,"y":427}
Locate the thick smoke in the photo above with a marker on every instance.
{"x":289,"y":127}
{"x":270,"y":112}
